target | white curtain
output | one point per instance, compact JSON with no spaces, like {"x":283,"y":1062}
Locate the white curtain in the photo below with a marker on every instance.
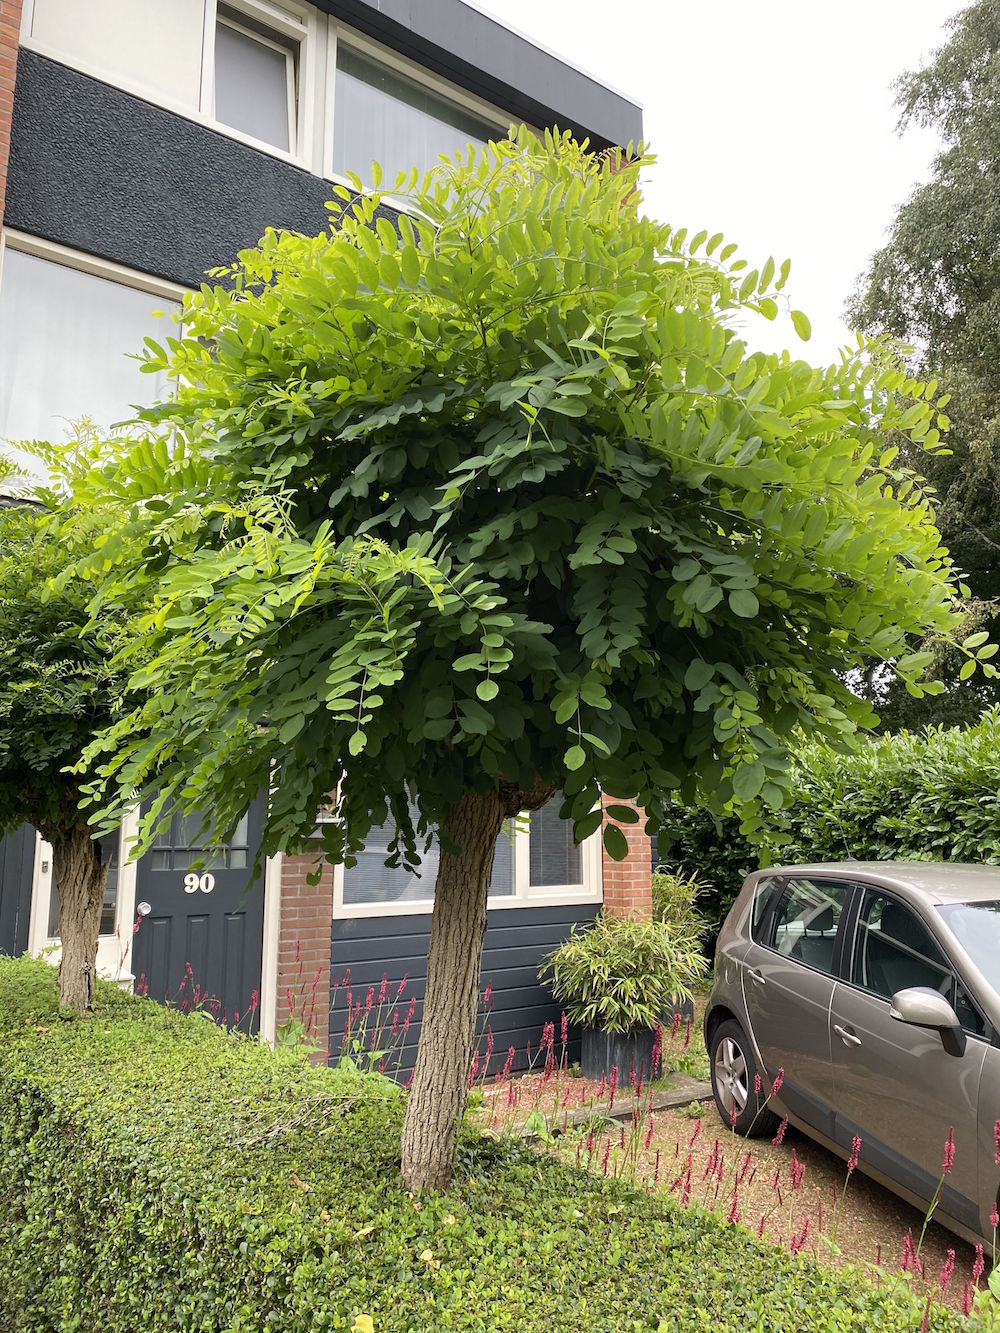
{"x":380,"y":115}
{"x":65,"y":340}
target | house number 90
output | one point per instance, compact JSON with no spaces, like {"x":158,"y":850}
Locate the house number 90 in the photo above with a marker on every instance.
{"x":193,"y":882}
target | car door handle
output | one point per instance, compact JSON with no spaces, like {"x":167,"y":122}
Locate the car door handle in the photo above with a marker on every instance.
{"x":758,"y":976}
{"x":848,"y":1037}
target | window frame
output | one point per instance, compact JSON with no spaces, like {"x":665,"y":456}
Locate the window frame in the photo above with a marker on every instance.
{"x":553,"y":895}
{"x":318,"y":35}
{"x":377,"y":54}
{"x":851,"y":945}
{"x":845,"y":925}
{"x":295,"y":37}
{"x":110,"y":963}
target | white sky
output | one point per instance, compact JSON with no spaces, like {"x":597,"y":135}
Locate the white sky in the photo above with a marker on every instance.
{"x":773,"y":123}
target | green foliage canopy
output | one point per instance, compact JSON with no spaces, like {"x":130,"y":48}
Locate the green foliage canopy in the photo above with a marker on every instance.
{"x":933,"y":796}
{"x":497,"y":495}
{"x":59,"y":682}
{"x":936,"y":285}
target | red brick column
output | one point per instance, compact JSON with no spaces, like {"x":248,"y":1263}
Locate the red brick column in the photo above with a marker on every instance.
{"x":628,"y":883}
{"x":304,"y":947}
{"x":10,"y":31}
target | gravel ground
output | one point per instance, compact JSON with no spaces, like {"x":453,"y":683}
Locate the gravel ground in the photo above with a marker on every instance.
{"x":871,"y":1223}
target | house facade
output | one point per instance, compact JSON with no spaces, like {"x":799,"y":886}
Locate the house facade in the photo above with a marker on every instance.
{"x":142,"y":143}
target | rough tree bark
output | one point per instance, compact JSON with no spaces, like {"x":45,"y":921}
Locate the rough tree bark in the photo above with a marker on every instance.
{"x":80,"y":873}
{"x":440,"y":1078}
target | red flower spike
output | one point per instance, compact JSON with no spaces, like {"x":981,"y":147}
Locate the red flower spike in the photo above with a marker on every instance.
{"x":613,"y":1086}
{"x":946,"y":1271}
{"x":978,"y":1264}
{"x":852,"y":1161}
{"x":949,"y":1151}
{"x":779,"y":1138}
{"x":779,"y":1078}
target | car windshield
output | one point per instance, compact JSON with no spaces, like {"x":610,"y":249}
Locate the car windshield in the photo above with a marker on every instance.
{"x":977,"y":928}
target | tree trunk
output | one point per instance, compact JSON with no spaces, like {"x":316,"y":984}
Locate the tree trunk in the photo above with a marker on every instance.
{"x":440,"y":1080}
{"x":80,"y":874}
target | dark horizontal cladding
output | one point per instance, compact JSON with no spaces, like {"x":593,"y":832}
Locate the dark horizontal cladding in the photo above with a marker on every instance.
{"x":517,"y":940}
{"x":478,"y":53}
{"x":104,"y":172}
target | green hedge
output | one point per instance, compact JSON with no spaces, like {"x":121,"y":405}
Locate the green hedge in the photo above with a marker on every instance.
{"x":928,"y":796}
{"x":157,"y":1174}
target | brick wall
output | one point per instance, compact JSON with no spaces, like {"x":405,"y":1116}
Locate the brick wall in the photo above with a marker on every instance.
{"x":10,"y":28}
{"x":304,"y":947}
{"x":628,"y":883}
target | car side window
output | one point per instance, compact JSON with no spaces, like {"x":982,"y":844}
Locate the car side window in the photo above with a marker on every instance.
{"x":764,"y":895}
{"x":968,"y":1015}
{"x":806,"y":920}
{"x":893,"y":950}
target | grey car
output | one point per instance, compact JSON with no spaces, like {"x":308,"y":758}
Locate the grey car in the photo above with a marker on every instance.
{"x":876,"y":988}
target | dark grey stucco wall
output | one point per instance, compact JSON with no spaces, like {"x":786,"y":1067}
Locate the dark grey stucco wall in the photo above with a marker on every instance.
{"x":17,"y":863}
{"x":105,"y":172}
{"x":517,"y":939}
{"x":109,"y":174}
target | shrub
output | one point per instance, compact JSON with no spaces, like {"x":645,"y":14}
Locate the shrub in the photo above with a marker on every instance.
{"x":621,"y":974}
{"x":158,"y":1174}
{"x":928,"y":796}
{"x":677,"y":904}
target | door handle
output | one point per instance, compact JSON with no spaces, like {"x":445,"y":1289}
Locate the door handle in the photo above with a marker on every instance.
{"x":758,"y":976}
{"x":848,"y":1037}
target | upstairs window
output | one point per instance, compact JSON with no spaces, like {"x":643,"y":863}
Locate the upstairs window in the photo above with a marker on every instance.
{"x":256,"y":78}
{"x":380,"y":115}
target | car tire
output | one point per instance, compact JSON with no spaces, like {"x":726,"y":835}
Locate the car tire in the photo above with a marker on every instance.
{"x":734,"y":1070}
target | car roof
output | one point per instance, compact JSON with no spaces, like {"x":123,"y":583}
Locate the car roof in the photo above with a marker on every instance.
{"x":929,"y":881}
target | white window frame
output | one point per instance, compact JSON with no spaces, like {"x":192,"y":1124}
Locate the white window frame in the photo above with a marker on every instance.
{"x":551,"y":895}
{"x":296,"y":36}
{"x":381,"y":55}
{"x":317,"y":36}
{"x":110,"y":963}
{"x":55,"y":253}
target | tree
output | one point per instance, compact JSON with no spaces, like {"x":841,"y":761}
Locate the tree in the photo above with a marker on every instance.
{"x":59,"y":686}
{"x":494,"y":503}
{"x":936,"y":285}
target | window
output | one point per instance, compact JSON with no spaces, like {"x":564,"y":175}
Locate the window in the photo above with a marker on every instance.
{"x":764,"y":895}
{"x":256,"y":73}
{"x":66,"y":338}
{"x":382,"y":116}
{"x":554,"y":858}
{"x":535,"y":858}
{"x":183,"y":843}
{"x":893,"y":950}
{"x":110,"y":904}
{"x":806,"y":919}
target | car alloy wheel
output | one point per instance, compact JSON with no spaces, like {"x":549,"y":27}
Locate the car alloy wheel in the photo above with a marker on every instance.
{"x":734,"y":1071}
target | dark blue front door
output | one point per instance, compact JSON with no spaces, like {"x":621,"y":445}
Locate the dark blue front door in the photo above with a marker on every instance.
{"x":17,"y":866}
{"x":201,"y":938}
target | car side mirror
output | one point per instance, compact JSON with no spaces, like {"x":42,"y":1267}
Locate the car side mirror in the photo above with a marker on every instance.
{"x":927,"y":1008}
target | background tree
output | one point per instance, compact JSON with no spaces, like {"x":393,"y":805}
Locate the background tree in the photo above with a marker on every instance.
{"x":496,"y":505}
{"x":936,"y":284}
{"x":59,"y":686}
